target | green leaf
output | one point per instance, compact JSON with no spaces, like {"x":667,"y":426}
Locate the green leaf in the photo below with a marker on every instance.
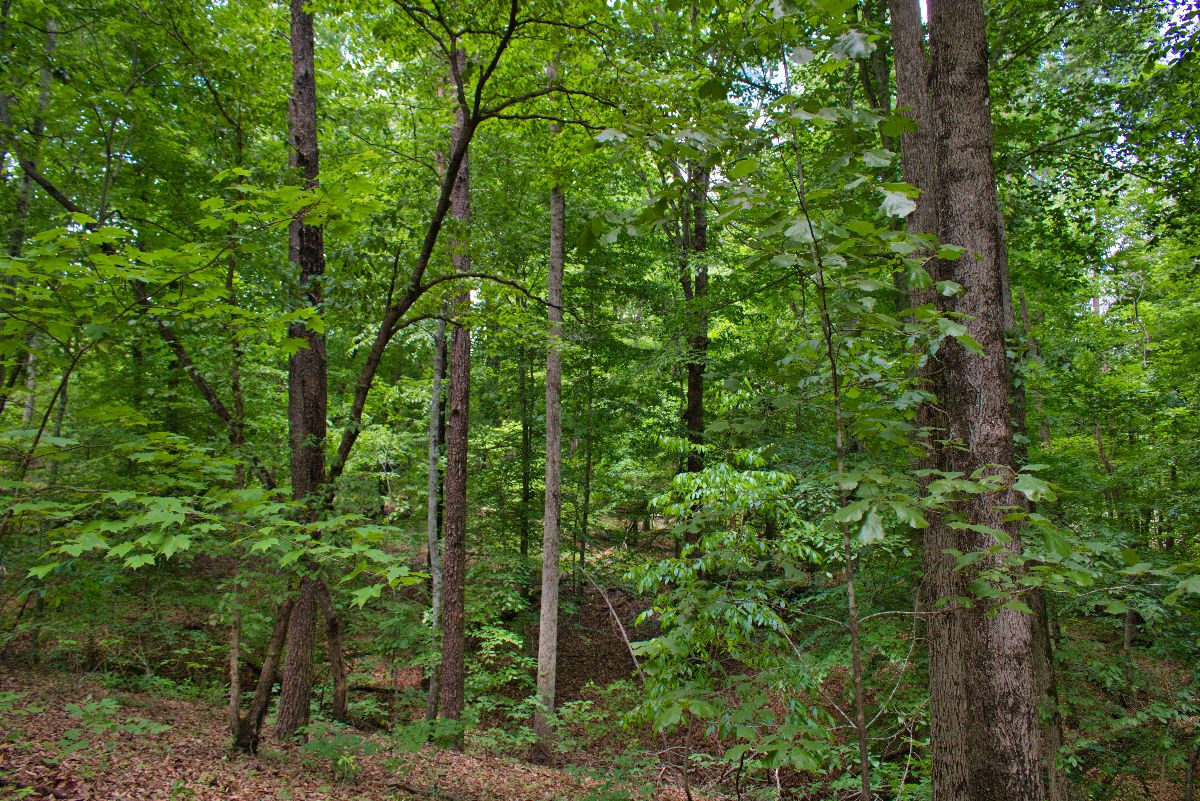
{"x":851,"y":513}
{"x":897,"y":204}
{"x":878,"y":157}
{"x":713,"y":89}
{"x":1033,"y":488}
{"x":872,"y":528}
{"x":743,"y":168}
{"x":907,"y":514}
{"x":42,"y":570}
{"x":363,"y":594}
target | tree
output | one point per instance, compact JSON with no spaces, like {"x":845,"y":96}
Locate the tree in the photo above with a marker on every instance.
{"x":547,"y":664}
{"x":454,"y":560}
{"x":307,"y":368}
{"x":983,"y":707}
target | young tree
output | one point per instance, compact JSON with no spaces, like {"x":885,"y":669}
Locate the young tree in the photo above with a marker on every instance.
{"x":548,"y":627}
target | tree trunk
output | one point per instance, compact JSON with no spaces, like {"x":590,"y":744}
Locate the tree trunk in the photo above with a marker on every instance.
{"x":235,"y":675}
{"x":694,"y":280}
{"x":548,"y":625}
{"x":307,"y":402}
{"x":295,"y":693}
{"x":30,"y":409}
{"x":249,"y":729}
{"x":983,"y":705}
{"x":588,"y":437}
{"x":433,"y":505}
{"x":60,"y":413}
{"x":454,"y":564}
{"x":526,"y":453}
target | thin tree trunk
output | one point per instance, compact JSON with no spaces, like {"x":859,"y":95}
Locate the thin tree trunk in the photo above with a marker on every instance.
{"x":983,"y":706}
{"x":249,"y":730}
{"x":548,"y":625}
{"x":588,"y":437}
{"x":60,"y":412}
{"x":526,"y":453}
{"x":30,"y":409}
{"x":433,"y":505}
{"x":454,"y":563}
{"x":307,"y":400}
{"x":235,"y":674}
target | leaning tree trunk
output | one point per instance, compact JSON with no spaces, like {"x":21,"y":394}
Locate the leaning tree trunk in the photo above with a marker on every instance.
{"x":983,"y":706}
{"x":454,"y":560}
{"x":548,"y":625}
{"x":307,"y":402}
{"x":248,"y":730}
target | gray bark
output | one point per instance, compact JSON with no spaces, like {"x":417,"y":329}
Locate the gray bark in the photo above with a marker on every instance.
{"x":548,"y":626}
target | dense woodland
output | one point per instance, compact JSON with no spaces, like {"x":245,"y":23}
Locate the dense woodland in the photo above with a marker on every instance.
{"x":784,"y":399}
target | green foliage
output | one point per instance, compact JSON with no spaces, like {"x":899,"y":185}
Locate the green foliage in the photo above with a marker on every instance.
{"x":338,"y":747}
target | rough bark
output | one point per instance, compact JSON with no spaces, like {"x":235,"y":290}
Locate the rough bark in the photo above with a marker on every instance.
{"x":917,"y":157}
{"x":307,"y":368}
{"x":307,"y":402}
{"x":983,"y":708}
{"x":548,"y":624}
{"x":454,"y":563}
{"x":433,"y":505}
{"x":295,"y":693}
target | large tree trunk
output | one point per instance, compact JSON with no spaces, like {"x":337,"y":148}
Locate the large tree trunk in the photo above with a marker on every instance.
{"x":295,"y":693}
{"x":983,"y":705}
{"x":433,"y":506}
{"x":454,"y":564}
{"x":307,"y":403}
{"x":548,"y":625}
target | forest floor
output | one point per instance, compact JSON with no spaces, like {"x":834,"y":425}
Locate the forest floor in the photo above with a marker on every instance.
{"x":74,"y":737}
{"x":41,"y":756}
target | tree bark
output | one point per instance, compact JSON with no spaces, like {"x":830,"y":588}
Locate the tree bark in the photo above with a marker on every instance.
{"x":249,"y":729}
{"x":307,"y":402}
{"x":454,"y":563}
{"x":548,"y":624}
{"x":433,"y":505}
{"x":983,"y":706}
{"x":307,"y":368}
{"x":295,"y":693}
